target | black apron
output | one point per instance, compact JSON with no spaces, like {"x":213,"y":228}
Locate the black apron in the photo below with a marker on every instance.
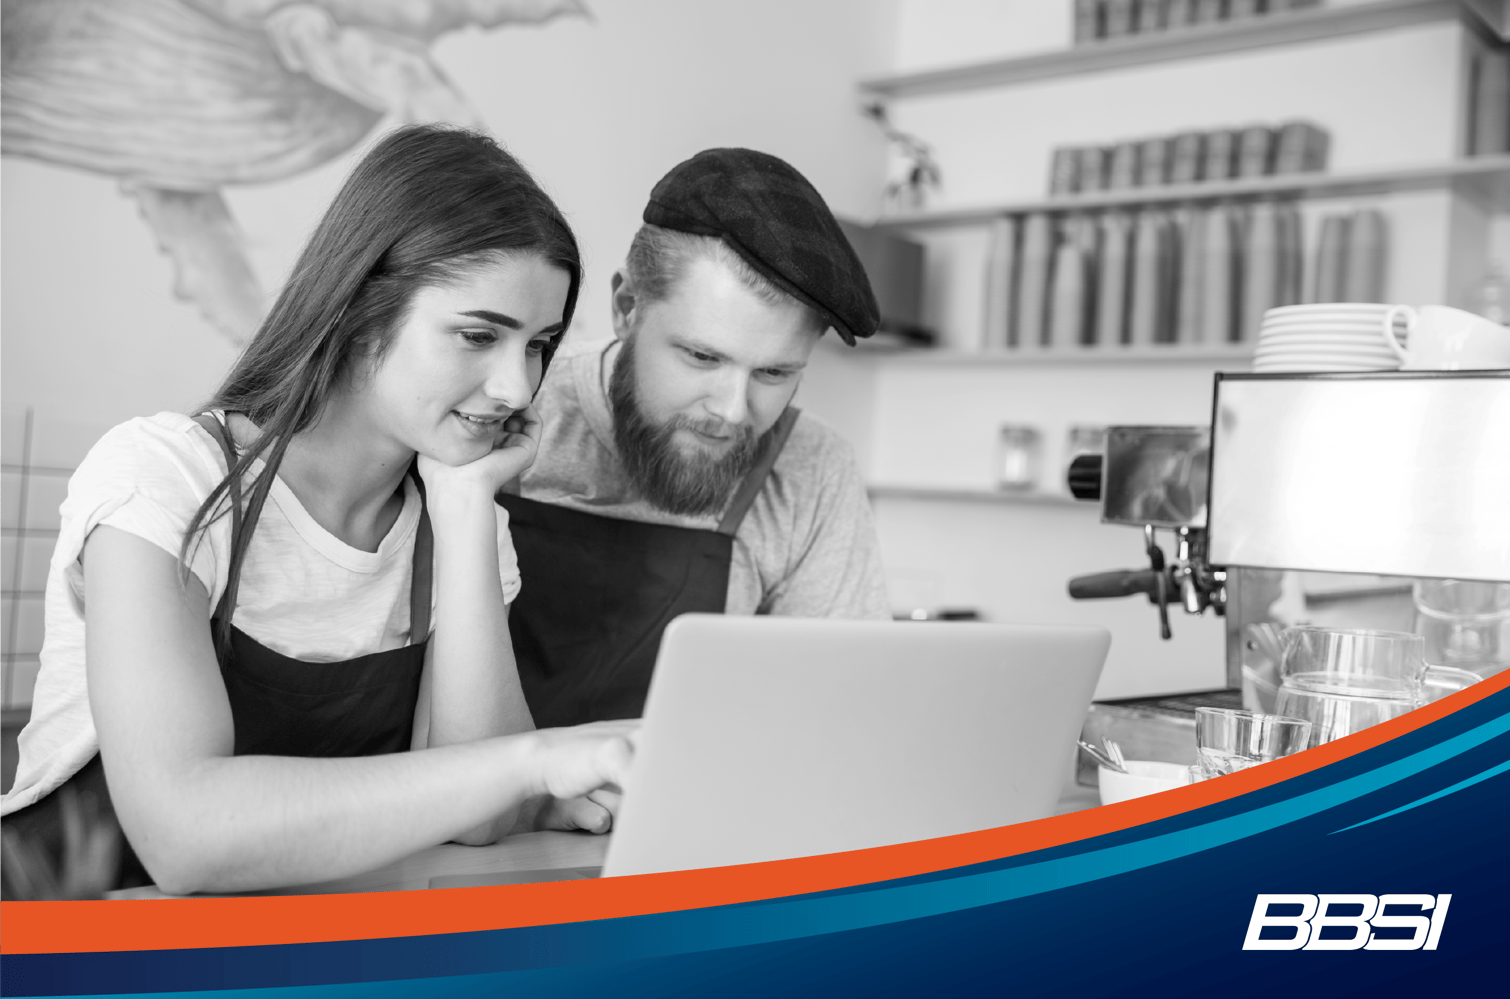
{"x":599,"y":591}
{"x":280,"y":706}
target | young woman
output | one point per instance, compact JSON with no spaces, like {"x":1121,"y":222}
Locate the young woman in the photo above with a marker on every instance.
{"x":239,"y":611}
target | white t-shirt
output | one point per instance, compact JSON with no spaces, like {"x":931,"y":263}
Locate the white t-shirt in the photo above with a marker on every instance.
{"x":304,"y":593}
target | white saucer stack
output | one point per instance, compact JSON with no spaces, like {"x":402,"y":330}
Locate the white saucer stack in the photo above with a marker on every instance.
{"x":1331,"y":336}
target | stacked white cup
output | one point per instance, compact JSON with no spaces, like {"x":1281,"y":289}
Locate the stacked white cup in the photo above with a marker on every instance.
{"x":1330,"y":336}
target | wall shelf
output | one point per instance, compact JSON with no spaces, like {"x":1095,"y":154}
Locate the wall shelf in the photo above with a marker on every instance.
{"x":934,"y":493}
{"x":1483,"y":179}
{"x":1488,"y":17}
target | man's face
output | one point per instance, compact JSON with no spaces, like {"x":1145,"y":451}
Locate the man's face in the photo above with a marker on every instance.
{"x":702,"y":377}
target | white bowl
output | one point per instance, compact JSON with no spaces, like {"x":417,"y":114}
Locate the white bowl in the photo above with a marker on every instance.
{"x":1145,"y":777}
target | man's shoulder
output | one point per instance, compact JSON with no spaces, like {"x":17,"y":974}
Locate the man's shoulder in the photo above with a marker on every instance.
{"x":811,"y":435}
{"x":817,"y":452}
{"x":574,"y":352}
{"x":572,"y":370}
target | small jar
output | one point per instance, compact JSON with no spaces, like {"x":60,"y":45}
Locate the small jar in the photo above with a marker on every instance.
{"x":1017,"y":458}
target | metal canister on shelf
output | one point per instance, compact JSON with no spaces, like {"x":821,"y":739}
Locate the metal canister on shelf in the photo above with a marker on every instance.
{"x":1001,"y":270}
{"x":1151,"y":15}
{"x":1035,"y":260}
{"x":1148,"y":307}
{"x":1219,"y":282}
{"x":1330,"y":284}
{"x":1115,"y":256}
{"x":1122,"y":170}
{"x":1094,"y":165}
{"x":1191,"y":223}
{"x":1187,"y":157}
{"x":1153,"y":162}
{"x":1301,"y":147}
{"x":1364,"y":281}
{"x":1064,"y":171}
{"x":1291,"y":253}
{"x":1244,"y":8}
{"x":1183,"y":12}
{"x":1220,"y":162}
{"x":1118,"y":18}
{"x":1255,"y":151}
{"x":1261,"y":269}
{"x":1169,"y":280}
{"x":1207,"y":11}
{"x":1071,"y":298}
{"x":1088,"y":26}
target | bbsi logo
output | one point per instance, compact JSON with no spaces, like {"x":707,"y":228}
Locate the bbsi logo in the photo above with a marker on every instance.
{"x":1352,"y":919}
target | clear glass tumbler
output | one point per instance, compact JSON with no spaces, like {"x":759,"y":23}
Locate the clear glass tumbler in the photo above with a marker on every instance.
{"x":1230,"y":739}
{"x":1344,"y":681}
{"x":1465,"y":624}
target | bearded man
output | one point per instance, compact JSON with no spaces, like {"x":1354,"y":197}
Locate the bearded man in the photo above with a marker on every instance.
{"x":673,"y":474}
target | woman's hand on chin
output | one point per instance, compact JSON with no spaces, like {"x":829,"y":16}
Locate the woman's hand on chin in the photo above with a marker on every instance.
{"x":511,"y":455}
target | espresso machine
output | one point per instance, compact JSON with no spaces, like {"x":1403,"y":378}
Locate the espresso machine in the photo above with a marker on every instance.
{"x":1375,"y":483}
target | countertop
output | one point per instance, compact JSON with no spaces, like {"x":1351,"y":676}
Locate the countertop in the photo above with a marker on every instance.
{"x":525,"y":852}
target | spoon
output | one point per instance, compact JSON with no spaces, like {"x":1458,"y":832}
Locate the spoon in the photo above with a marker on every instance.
{"x":1116,"y":753}
{"x":1100,"y":757}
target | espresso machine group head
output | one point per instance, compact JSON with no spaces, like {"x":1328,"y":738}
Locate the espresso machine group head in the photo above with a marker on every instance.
{"x":1154,"y":478}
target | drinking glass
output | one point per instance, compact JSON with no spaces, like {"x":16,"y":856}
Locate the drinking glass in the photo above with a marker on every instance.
{"x":1465,"y":624}
{"x":1230,"y":739}
{"x":1344,"y":681}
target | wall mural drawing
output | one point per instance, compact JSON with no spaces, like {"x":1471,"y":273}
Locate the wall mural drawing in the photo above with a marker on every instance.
{"x":178,"y":99}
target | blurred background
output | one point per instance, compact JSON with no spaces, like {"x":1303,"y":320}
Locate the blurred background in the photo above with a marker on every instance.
{"x":1071,"y":211}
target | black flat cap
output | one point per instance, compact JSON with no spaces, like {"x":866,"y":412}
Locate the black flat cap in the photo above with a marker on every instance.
{"x":772,"y":217}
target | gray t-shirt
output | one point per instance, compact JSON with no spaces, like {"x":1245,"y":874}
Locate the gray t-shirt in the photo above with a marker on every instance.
{"x":807,"y":548}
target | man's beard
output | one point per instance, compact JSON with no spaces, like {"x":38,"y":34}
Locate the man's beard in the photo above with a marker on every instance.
{"x":666,"y":477}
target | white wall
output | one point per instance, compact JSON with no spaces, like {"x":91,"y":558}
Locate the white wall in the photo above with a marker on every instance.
{"x":598,"y":110}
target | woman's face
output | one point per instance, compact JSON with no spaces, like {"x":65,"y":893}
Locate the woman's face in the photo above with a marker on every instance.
{"x":468,"y":356}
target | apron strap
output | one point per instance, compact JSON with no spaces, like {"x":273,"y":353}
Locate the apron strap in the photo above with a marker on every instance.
{"x":217,"y":432}
{"x":424,"y":540}
{"x":755,"y":481}
{"x":424,"y":567}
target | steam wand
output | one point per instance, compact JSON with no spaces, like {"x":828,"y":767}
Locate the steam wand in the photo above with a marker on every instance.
{"x":1198,"y":585}
{"x":1158,"y":582}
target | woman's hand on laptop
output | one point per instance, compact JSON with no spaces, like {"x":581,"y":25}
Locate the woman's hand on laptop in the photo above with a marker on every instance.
{"x":583,"y":770}
{"x":583,"y":814}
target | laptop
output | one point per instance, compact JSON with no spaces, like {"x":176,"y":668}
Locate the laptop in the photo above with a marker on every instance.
{"x":767,"y":738}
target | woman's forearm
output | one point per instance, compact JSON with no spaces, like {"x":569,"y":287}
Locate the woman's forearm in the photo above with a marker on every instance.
{"x":248,"y":822}
{"x":474,"y":690}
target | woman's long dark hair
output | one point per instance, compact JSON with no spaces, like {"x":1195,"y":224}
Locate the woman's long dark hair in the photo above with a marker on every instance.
{"x":425,"y":204}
